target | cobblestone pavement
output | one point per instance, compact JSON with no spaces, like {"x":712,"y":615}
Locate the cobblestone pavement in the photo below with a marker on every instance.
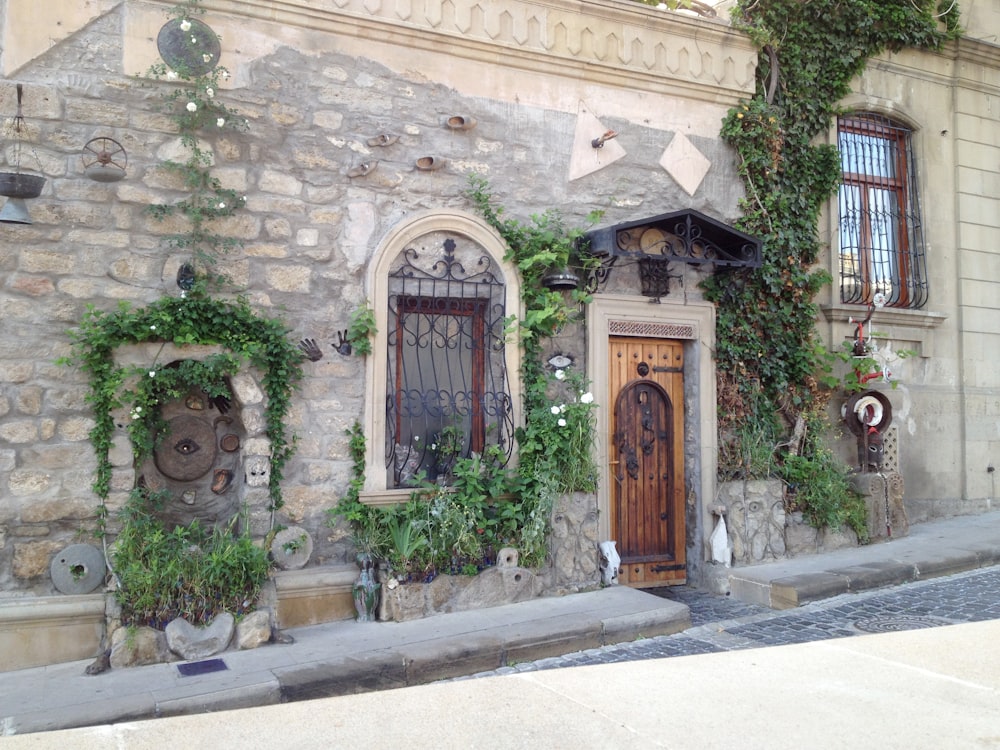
{"x":722,"y":624}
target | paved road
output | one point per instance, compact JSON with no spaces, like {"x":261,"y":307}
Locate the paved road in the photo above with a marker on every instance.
{"x":722,"y":624}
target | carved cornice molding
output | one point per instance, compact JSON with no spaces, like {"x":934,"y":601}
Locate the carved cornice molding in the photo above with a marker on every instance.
{"x":605,"y":42}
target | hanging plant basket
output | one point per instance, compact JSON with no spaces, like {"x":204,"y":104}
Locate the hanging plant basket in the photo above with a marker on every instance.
{"x":18,"y":185}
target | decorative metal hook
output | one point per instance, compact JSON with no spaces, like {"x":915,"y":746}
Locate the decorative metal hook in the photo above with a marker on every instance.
{"x":599,"y":142}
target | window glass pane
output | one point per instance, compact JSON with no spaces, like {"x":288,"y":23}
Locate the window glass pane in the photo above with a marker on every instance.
{"x":437,"y":379}
{"x":880,"y":229}
{"x":884,"y":217}
{"x":867,"y":154}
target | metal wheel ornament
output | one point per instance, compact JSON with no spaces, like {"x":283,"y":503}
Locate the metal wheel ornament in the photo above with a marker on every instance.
{"x":104,"y":159}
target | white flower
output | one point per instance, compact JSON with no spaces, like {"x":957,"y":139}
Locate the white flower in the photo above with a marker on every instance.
{"x":222,"y":205}
{"x":185,"y":25}
{"x":555,"y":410}
{"x":587,"y":398}
{"x":661,"y":6}
{"x":152,"y":328}
{"x":171,"y":75}
{"x":209,"y":92}
{"x":562,"y":422}
{"x":194,"y":39}
{"x":562,"y":408}
{"x":192,"y":107}
{"x":183,"y":294}
{"x":152,"y":373}
{"x":221,"y":121}
{"x":206,"y":57}
{"x":225,"y":75}
{"x":560,"y":374}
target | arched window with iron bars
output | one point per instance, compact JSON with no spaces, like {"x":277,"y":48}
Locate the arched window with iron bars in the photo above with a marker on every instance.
{"x":881,"y":244}
{"x":447,"y":389}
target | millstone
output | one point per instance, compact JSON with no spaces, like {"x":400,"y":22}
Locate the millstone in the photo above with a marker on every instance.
{"x":188,"y":451}
{"x":77,"y":569}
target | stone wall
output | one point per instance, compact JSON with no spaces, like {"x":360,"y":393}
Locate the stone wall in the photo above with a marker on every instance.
{"x":315,"y":88}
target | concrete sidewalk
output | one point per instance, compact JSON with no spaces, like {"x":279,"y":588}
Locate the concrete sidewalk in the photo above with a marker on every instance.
{"x":335,"y":659}
{"x":916,"y":689}
{"x":347,"y":657}
{"x":930,"y":550}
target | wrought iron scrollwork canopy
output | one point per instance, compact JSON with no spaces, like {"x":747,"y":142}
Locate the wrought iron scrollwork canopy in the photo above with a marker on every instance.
{"x":687,"y":236}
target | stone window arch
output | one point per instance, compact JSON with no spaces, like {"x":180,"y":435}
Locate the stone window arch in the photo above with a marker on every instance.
{"x":443,"y":377}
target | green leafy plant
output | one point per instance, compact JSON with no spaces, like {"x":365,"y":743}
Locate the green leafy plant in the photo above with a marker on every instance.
{"x":361,"y":329}
{"x":294,"y":545}
{"x":194,"y":104}
{"x":819,"y":485}
{"x":193,"y":319}
{"x":770,"y":366}
{"x":188,"y":571}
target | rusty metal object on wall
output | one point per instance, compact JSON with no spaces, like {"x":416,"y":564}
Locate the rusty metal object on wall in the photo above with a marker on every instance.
{"x":197,"y":461}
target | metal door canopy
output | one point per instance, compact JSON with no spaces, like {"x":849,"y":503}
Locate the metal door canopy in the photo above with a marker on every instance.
{"x":687,"y":236}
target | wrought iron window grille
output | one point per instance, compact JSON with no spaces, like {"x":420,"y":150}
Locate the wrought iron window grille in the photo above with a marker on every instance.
{"x":881,"y":243}
{"x":447,"y":388}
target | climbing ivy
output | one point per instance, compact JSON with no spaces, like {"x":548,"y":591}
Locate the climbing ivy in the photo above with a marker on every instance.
{"x":768,"y":355}
{"x":195,"y":318}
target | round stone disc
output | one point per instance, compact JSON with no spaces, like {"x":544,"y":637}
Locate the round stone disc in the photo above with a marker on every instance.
{"x":193,"y":52}
{"x":77,"y":569}
{"x":188,"y":449}
{"x":291,"y":548}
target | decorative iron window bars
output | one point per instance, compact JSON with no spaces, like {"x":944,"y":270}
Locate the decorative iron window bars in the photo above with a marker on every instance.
{"x":881,"y":235}
{"x":447,"y":387}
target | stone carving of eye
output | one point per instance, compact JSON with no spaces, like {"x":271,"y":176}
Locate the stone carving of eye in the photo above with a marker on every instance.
{"x":186,"y":447}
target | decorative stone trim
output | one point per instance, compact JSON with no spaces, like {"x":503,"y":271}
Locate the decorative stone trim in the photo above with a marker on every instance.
{"x":652,"y":330}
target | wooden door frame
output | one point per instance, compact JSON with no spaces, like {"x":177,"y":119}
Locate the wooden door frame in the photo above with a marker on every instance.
{"x":690,"y":321}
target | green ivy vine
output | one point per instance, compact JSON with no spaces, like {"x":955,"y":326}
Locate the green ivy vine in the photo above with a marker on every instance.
{"x":195,"y":318}
{"x":192,"y":317}
{"x":769,"y":360}
{"x":192,"y":102}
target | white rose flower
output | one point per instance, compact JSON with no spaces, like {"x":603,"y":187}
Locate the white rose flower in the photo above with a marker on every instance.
{"x":152,"y":328}
{"x":206,"y":57}
{"x":587,"y":398}
{"x":192,"y":107}
{"x":221,"y":121}
{"x":194,"y":39}
{"x":209,"y":92}
{"x":171,"y":75}
{"x":562,"y":422}
{"x":222,"y":205}
{"x":185,"y":25}
{"x":562,"y":408}
{"x":152,"y":373}
{"x":555,"y":410}
{"x":560,"y":374}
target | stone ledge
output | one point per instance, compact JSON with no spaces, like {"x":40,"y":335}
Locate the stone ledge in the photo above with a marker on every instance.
{"x":39,"y":631}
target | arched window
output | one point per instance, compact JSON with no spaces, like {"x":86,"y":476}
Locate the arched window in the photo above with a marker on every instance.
{"x":881,"y":236}
{"x":444,"y":370}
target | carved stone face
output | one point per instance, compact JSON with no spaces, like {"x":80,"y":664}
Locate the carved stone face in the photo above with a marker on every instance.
{"x":870,"y":457}
{"x":610,"y":563}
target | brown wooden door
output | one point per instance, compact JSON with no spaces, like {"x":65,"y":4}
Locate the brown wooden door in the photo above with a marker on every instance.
{"x":647,"y":459}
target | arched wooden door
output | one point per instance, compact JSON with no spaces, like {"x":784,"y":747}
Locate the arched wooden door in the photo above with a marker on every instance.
{"x":647,"y":457}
